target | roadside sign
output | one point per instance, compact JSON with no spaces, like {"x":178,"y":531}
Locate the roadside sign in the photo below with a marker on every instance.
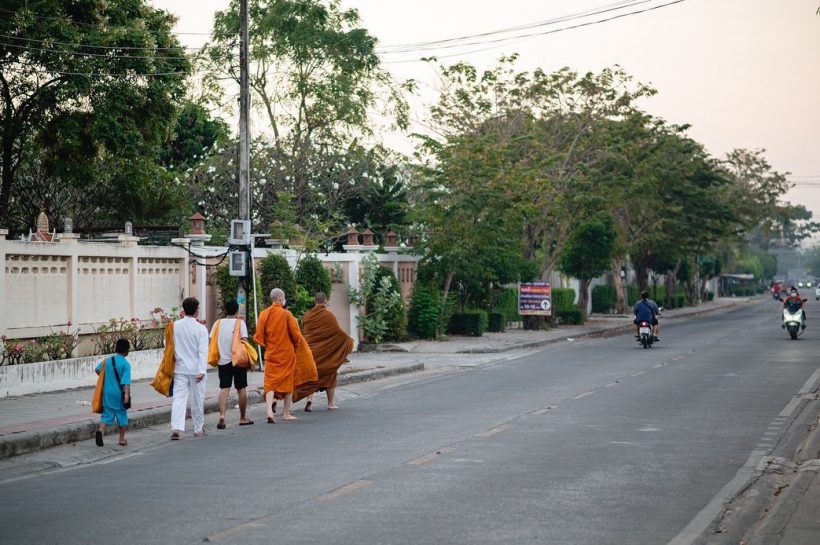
{"x":535,"y":299}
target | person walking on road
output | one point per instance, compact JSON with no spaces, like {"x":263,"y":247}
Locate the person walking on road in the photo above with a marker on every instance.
{"x":330,"y":345}
{"x":229,"y":374}
{"x":116,"y":391}
{"x":191,"y":355}
{"x":278,"y":331}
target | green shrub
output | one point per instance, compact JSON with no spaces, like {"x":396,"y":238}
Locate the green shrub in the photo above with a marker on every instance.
{"x":506,"y":302}
{"x":424,"y":315}
{"x":563,"y":298}
{"x":469,"y":322}
{"x":312,"y":275}
{"x":396,"y":321}
{"x":604,"y":299}
{"x":570,"y":316}
{"x":496,"y":322}
{"x":632,"y":295}
{"x":710,"y":296}
{"x":680,"y":300}
{"x":379,"y":298}
{"x":274,"y":272}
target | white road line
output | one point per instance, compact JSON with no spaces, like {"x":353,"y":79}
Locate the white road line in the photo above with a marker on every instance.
{"x":692,"y":531}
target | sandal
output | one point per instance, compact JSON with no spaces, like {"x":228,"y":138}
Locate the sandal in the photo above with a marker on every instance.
{"x":175,"y":436}
{"x":307,"y":407}
{"x":98,"y":438}
{"x":124,"y":442}
{"x":221,"y":424}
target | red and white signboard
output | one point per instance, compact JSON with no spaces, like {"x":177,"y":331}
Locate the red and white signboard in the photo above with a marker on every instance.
{"x":535,"y":299}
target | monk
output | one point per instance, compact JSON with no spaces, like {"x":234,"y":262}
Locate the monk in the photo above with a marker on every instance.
{"x":330,"y":346}
{"x":278,"y":331}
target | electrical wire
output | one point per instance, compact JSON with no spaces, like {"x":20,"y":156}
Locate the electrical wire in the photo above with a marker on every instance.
{"x":564,"y":18}
{"x":97,"y":26}
{"x":96,"y":55}
{"x":103,"y":47}
{"x":500,"y":41}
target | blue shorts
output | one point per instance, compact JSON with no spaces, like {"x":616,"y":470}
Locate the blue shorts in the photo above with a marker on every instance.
{"x":109,"y":415}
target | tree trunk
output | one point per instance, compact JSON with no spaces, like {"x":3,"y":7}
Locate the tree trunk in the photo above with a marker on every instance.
{"x":620,"y":288}
{"x":445,"y":295}
{"x":583,"y":295}
{"x":5,"y":185}
{"x":643,"y":277}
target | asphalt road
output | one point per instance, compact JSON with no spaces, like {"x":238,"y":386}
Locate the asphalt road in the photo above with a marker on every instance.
{"x":588,"y":442}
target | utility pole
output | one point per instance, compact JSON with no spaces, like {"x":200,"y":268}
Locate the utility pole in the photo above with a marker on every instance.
{"x":244,"y":148}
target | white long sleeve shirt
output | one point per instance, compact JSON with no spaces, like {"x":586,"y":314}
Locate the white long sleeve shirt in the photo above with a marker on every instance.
{"x":190,"y":347}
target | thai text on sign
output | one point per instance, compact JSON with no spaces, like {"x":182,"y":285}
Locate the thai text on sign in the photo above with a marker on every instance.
{"x":535,"y":299}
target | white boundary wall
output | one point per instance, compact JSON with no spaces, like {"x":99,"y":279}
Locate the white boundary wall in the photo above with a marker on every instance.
{"x":52,"y":376}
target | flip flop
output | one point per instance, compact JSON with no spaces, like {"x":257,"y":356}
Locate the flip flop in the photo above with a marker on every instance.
{"x":175,"y":436}
{"x":98,"y":438}
{"x":221,"y":425}
{"x":308,"y":407}
{"x":271,"y":420}
{"x":124,"y":442}
{"x":248,"y":423}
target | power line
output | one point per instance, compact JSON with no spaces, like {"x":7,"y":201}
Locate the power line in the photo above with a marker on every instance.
{"x":500,"y":41}
{"x":97,"y":55}
{"x":107,"y":74}
{"x":564,"y":18}
{"x":103,"y":47}
{"x":102,"y":27}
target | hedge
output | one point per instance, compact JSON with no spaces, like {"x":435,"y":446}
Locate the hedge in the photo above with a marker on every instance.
{"x":425,"y":312}
{"x":710,"y":296}
{"x":470,"y":322}
{"x":495,"y":322}
{"x":604,"y":299}
{"x":563,"y":298}
{"x":506,"y":302}
{"x":570,"y":316}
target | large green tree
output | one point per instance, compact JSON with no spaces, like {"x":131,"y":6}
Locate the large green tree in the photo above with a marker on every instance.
{"x":87,"y":89}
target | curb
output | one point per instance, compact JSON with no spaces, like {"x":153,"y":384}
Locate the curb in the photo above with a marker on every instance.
{"x":601,"y":332}
{"x":36,"y":440}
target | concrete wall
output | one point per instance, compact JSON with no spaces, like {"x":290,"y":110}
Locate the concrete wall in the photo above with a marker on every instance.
{"x":47,"y":285}
{"x":52,"y":376}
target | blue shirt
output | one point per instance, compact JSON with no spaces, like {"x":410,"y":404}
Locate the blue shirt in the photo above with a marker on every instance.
{"x":645,"y":310}
{"x":112,"y":394}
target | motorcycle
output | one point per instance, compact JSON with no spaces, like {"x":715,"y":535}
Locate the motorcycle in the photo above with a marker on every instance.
{"x":793,"y":319}
{"x":645,"y":336}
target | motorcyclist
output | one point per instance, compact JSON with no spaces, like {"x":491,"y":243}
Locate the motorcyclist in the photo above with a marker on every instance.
{"x":793,"y":302}
{"x":646,"y":310}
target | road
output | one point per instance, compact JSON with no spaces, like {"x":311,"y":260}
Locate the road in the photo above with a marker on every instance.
{"x":589,"y":442}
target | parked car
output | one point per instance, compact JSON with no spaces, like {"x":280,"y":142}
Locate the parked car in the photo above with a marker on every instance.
{"x":817,"y":293}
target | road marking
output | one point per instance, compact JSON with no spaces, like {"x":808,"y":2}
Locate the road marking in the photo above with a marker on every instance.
{"x":493,"y":431}
{"x":219,"y":536}
{"x":623,"y":443}
{"x":585,"y":394}
{"x":650,"y":429}
{"x":809,"y":385}
{"x":345,"y":490}
{"x":639,"y":373}
{"x":429,"y":457}
{"x":539,"y":412}
{"x":693,"y":531}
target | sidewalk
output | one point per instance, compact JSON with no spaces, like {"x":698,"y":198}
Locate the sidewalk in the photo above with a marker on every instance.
{"x":40,"y":421}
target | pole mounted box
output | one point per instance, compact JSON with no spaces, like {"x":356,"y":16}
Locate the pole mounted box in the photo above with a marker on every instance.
{"x":240,"y":233}
{"x":238,"y":263}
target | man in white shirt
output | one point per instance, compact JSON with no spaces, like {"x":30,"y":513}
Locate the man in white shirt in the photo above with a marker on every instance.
{"x":228,"y":373}
{"x":191,"y":356}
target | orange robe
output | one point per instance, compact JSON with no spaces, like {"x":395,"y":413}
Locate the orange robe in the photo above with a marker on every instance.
{"x":278,"y":331}
{"x":306,"y":377}
{"x":328,"y":342}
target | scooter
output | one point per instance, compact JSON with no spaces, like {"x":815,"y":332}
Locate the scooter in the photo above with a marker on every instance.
{"x":645,"y":336}
{"x":793,"y":320}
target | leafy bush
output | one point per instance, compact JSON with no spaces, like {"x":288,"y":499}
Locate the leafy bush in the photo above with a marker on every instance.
{"x":633,"y":294}
{"x":680,"y":300}
{"x":312,"y":275}
{"x":506,"y":302}
{"x":424,"y":315}
{"x":396,"y":321}
{"x":563,"y":298}
{"x":570,"y":316}
{"x":469,"y":322}
{"x":495,"y":322}
{"x":274,"y":272}
{"x":604,"y":299}
{"x":710,"y":296}
{"x":377,"y":298}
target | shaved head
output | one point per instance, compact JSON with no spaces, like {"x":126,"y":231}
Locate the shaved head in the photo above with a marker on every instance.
{"x":277,"y":295}
{"x":320,"y":298}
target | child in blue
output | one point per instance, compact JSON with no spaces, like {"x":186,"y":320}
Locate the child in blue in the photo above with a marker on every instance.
{"x":115,"y":393}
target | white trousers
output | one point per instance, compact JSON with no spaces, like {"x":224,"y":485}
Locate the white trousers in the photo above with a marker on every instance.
{"x":183,"y":385}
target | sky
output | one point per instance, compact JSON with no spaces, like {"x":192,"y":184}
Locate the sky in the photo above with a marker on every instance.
{"x":742,"y":73}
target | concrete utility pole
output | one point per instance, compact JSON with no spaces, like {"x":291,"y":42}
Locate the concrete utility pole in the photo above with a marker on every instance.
{"x":244,"y":145}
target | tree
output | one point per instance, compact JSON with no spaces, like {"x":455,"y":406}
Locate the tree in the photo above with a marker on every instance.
{"x":312,"y":275}
{"x":589,"y":252}
{"x":196,"y":132}
{"x":86,"y":82}
{"x":274,"y":272}
{"x":315,"y":75}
